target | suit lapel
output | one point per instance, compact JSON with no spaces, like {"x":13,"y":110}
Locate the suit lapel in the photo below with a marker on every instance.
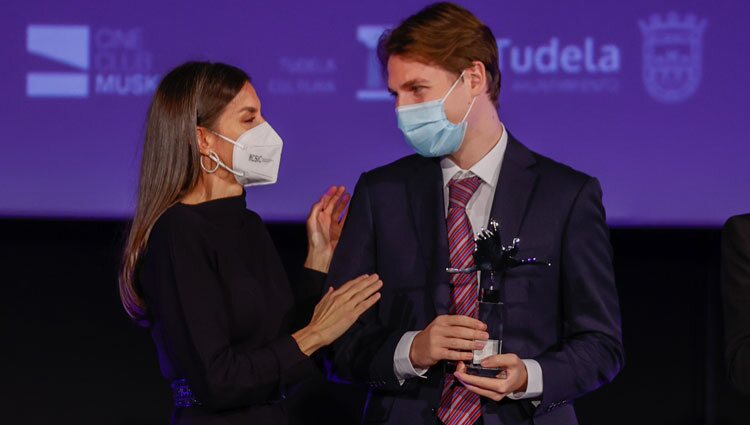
{"x":513,"y":190}
{"x":425,"y":192}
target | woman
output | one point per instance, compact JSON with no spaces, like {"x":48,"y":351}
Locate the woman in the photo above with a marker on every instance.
{"x":200,"y":270}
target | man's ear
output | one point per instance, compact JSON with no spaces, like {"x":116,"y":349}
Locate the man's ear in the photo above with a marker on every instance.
{"x":477,"y":77}
{"x":202,"y":139}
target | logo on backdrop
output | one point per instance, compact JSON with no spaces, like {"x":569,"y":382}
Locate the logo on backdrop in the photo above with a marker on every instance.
{"x":551,"y":67}
{"x":586,"y":66}
{"x":304,"y":75}
{"x":375,"y":88}
{"x":103,"y":61}
{"x":67,"y":45}
{"x":672,"y":56}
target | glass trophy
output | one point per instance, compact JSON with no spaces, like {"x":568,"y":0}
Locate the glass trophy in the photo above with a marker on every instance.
{"x":491,"y":311}
{"x":491,"y":261}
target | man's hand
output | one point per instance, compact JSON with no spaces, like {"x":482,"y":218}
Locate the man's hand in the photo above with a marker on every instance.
{"x":512,"y":378}
{"x":448,"y":337}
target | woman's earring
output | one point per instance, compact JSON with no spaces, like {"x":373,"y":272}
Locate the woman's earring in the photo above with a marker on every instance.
{"x":213,"y":157}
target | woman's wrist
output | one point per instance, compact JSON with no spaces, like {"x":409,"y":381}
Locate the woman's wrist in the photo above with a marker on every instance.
{"x":308,"y":340}
{"x":318,"y":259}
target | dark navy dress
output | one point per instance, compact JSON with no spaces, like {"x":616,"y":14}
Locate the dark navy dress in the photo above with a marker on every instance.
{"x":222,"y":312}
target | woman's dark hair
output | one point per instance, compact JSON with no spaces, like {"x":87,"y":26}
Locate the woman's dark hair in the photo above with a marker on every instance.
{"x":193,"y":94}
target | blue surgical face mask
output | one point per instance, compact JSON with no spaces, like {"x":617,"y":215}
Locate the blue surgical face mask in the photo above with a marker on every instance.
{"x":428,"y":130}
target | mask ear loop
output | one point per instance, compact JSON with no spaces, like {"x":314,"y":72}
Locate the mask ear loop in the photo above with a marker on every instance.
{"x":471,"y":105}
{"x":213,"y":156}
{"x":219,"y":163}
{"x":453,"y":86}
{"x":469,"y":110}
{"x":227,"y":139}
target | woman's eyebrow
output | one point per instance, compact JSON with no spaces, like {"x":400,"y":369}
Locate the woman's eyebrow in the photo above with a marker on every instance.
{"x":250,"y":109}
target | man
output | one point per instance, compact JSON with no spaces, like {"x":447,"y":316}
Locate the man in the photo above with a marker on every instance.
{"x":412,"y":219}
{"x":735,"y":286}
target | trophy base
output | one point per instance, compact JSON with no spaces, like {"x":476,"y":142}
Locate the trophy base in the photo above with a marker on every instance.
{"x":486,"y":372}
{"x":491,"y":348}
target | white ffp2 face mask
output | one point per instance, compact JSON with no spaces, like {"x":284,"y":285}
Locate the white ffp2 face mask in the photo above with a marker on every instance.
{"x":255,"y":157}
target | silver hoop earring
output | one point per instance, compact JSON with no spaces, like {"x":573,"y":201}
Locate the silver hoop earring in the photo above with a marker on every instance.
{"x":211,"y":157}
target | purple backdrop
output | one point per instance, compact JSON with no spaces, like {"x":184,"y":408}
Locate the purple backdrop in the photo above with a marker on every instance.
{"x":649,"y":96}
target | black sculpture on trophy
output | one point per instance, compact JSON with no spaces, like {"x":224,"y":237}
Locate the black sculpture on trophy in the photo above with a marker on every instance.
{"x":491,"y":261}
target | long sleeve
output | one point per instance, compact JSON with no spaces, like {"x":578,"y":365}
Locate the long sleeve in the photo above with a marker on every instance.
{"x":534,"y":385}
{"x":308,"y":291}
{"x":402,"y":366}
{"x":365,"y":352}
{"x":735,"y":285}
{"x":185,"y":295}
{"x":591,"y":352}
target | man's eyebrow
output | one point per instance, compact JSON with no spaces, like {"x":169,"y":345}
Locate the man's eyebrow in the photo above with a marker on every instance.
{"x":407,"y":85}
{"x":412,"y":82}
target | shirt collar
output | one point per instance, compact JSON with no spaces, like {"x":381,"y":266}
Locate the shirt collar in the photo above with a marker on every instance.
{"x":487,"y":169}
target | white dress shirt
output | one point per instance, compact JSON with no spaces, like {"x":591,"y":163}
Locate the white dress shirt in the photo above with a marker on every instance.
{"x":478,"y":209}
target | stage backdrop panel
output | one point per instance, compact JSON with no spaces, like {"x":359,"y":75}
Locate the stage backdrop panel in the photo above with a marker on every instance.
{"x":648,"y":96}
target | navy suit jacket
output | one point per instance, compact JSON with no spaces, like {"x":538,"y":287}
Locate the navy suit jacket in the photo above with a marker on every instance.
{"x":565,"y":316}
{"x":735,"y":288}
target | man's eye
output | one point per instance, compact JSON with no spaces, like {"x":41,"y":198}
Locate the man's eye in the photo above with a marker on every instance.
{"x":250,"y":120}
{"x":418,"y":89}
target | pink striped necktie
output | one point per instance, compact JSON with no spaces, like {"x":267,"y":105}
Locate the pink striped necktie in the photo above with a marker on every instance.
{"x":459,"y":406}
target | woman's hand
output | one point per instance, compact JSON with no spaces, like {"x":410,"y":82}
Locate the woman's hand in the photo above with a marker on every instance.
{"x":324,"y":226}
{"x":337,"y":312}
